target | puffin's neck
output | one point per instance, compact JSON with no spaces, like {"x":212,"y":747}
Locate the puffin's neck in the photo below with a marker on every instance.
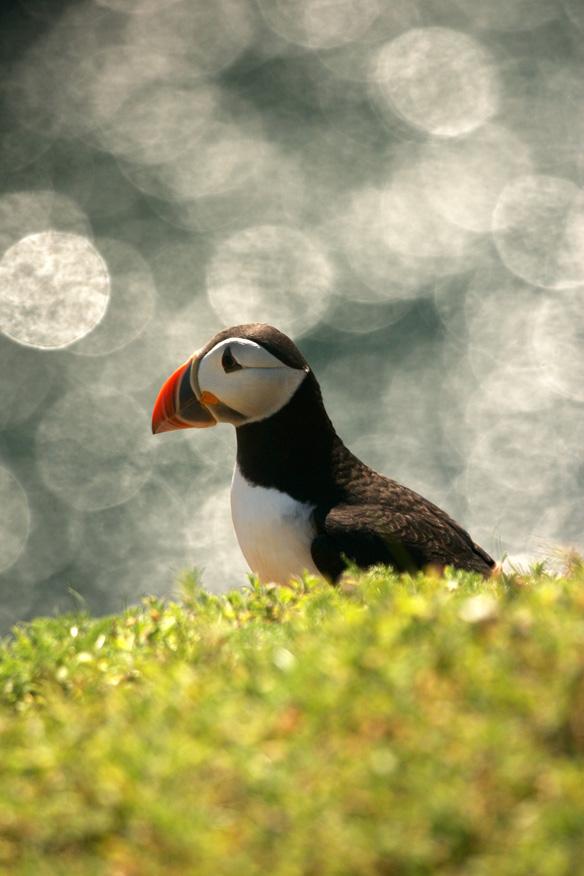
{"x":295,"y":449}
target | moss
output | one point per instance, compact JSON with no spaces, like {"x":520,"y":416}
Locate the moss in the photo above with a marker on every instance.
{"x":392,"y":725}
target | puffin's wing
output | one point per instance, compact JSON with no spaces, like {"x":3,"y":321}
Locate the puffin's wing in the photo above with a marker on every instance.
{"x":408,"y":541}
{"x":357,"y":534}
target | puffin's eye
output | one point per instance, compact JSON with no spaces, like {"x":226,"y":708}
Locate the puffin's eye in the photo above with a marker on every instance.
{"x":229,"y":362}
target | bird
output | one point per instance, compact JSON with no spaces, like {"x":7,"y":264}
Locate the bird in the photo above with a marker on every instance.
{"x":300,"y":500}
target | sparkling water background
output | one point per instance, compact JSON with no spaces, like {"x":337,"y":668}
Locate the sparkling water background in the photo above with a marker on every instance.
{"x":397,"y":185}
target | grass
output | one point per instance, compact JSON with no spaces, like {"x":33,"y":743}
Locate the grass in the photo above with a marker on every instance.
{"x":403,"y":726}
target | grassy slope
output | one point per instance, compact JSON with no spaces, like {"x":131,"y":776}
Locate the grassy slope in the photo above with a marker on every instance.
{"x":390,"y":726}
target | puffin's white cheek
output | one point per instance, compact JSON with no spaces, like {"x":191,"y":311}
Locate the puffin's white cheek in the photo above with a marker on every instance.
{"x":261,"y":392}
{"x":256,"y":393}
{"x":265,"y":394}
{"x":253,"y":392}
{"x":275,"y":392}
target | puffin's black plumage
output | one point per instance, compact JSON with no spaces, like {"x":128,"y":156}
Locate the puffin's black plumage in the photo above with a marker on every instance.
{"x":360,"y":514}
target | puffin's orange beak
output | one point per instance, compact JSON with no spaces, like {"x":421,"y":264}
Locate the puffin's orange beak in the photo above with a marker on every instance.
{"x":177,"y":406}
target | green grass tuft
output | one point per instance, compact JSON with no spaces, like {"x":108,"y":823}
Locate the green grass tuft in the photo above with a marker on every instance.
{"x":392,"y":725}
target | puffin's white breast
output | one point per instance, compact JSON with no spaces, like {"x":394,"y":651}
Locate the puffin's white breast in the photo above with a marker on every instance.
{"x":274,"y":531}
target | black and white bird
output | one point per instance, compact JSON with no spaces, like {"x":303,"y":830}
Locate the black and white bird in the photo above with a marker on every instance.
{"x":300,"y":500}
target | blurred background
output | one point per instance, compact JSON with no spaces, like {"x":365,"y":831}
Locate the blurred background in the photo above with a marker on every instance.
{"x":394,"y":183}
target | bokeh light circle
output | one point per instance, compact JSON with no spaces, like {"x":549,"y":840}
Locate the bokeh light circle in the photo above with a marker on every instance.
{"x":273,"y":274}
{"x":193,"y":39}
{"x":414,"y":229}
{"x":213,"y":541}
{"x":158,"y":122}
{"x":509,"y":15}
{"x":54,"y":288}
{"x":26,"y":377}
{"x":464,"y":177}
{"x":24,"y":213}
{"x":352,"y":60}
{"x":151,"y":559}
{"x":14,"y":520}
{"x":562,"y":361}
{"x":54,"y":534}
{"x":361,"y":230}
{"x":131,"y":302}
{"x":221,"y":159}
{"x":94,"y":448}
{"x":319,"y":23}
{"x":538,"y":227}
{"x":440,"y":80}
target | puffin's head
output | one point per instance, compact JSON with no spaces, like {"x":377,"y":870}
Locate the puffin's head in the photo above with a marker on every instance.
{"x":244,"y":374}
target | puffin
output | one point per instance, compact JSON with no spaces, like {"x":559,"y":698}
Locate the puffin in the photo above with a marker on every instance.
{"x":300,"y":500}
